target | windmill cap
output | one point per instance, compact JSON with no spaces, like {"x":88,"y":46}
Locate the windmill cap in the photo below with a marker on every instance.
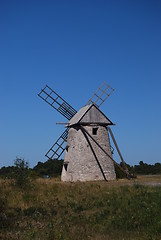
{"x":89,"y":114}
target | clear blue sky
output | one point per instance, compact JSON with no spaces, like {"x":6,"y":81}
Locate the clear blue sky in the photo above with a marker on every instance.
{"x":73,"y":46}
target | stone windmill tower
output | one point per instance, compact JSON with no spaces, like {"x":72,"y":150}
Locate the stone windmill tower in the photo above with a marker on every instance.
{"x":86,"y":142}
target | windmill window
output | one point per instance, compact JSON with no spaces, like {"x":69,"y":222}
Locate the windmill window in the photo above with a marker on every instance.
{"x":94,"y":131}
{"x":65,"y":166}
{"x":67,"y":147}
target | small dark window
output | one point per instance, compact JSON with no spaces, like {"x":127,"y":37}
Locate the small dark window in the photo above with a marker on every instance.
{"x":65,"y":166}
{"x":94,"y":131}
{"x":67,"y":148}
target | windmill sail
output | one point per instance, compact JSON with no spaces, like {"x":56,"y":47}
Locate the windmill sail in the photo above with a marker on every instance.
{"x":99,"y":97}
{"x":57,"y":102}
{"x":59,"y":146}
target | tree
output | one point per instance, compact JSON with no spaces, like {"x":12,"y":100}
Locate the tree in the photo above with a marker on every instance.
{"x":22,"y":173}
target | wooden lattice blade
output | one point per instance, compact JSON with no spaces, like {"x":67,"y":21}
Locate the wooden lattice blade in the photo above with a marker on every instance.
{"x":58,"y":147}
{"x":57,"y":102}
{"x":100,"y":96}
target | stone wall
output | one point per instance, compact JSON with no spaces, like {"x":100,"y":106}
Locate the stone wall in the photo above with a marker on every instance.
{"x":84,"y":159}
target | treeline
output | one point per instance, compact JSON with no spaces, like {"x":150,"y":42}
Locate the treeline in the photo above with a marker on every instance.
{"x":53,"y":168}
{"x":141,"y":169}
{"x":50,"y":168}
{"x":145,"y":169}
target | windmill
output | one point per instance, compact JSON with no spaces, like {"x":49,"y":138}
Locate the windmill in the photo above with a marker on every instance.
{"x":86,"y":142}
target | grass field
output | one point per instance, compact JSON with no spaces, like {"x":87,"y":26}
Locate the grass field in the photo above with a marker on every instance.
{"x":48,"y":209}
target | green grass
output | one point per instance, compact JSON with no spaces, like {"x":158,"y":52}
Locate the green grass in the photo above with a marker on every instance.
{"x":93,"y":210}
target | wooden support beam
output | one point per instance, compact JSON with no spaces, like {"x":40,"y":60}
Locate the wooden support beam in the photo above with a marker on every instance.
{"x":118,"y":150}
